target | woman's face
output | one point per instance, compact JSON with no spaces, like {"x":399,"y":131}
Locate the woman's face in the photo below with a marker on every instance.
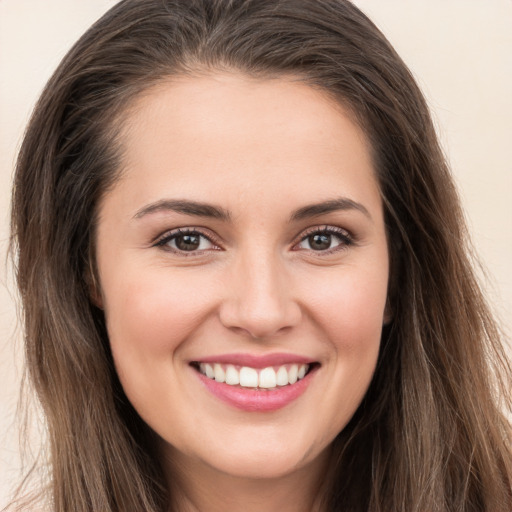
{"x":243,"y":246}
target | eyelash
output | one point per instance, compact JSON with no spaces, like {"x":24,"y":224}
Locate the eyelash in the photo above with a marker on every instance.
{"x":162,"y":241}
{"x":346,"y":239}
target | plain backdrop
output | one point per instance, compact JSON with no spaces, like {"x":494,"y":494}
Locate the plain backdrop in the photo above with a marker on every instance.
{"x":459,"y":50}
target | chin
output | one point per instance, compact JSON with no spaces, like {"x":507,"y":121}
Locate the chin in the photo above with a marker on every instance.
{"x":270,"y":458}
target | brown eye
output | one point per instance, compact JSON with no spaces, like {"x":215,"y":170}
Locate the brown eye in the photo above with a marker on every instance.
{"x":320,"y":242}
{"x":326,"y":240}
{"x":186,"y":241}
{"x":189,"y":242}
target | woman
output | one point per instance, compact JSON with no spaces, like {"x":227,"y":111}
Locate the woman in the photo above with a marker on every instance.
{"x":244,"y":274}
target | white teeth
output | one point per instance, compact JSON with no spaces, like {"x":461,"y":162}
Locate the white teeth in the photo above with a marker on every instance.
{"x":266,"y":378}
{"x":232,"y":375}
{"x":206,"y":369}
{"x":292,"y":374}
{"x":282,"y":376}
{"x":219,"y":374}
{"x":248,"y":377}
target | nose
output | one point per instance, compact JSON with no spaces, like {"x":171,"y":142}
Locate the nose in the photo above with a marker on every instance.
{"x":258,"y":299}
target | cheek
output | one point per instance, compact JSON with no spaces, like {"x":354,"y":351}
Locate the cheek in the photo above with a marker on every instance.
{"x":149,"y":317}
{"x":154,"y":313}
{"x":350,"y":306}
{"x":349,"y":312}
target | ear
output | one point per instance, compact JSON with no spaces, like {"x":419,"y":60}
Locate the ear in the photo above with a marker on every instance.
{"x":388,"y":313}
{"x":96,"y":297}
{"x":93,"y":285}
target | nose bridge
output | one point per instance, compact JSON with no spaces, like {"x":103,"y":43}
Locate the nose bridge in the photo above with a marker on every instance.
{"x":259,"y":297}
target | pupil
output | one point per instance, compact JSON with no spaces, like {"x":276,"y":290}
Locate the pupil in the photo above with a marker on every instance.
{"x":320,"y":242}
{"x":187,"y":242}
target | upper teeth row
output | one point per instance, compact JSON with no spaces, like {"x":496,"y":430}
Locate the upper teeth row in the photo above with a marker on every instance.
{"x":253,"y":378}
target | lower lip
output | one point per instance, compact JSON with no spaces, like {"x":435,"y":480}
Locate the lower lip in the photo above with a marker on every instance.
{"x":253,"y":400}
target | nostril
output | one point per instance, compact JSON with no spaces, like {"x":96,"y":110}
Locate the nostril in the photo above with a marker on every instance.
{"x":260,"y":325}
{"x":259,"y":304}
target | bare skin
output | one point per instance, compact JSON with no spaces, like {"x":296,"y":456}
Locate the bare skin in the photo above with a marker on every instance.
{"x":247,"y":224}
{"x":210,"y":492}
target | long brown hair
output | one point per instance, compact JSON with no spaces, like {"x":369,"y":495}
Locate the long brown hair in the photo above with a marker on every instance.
{"x":431,"y":434}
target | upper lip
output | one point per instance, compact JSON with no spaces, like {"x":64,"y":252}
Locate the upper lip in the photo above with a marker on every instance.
{"x":256,"y":360}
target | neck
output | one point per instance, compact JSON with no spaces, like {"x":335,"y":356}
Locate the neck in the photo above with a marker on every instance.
{"x":196,"y":487}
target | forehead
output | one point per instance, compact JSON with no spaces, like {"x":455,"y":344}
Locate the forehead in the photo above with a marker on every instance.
{"x":237,"y":133}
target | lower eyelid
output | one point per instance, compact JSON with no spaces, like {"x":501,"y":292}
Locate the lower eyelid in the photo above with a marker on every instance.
{"x":344,"y":237}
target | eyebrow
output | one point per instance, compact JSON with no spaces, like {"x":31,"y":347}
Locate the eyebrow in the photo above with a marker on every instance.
{"x":186,"y":207}
{"x":199,"y":209}
{"x":333,"y":205}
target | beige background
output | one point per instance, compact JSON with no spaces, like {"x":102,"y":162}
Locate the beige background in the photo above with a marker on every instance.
{"x":459,"y":50}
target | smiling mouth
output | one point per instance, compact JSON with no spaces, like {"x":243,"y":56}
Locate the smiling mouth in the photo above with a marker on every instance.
{"x":269,"y":378}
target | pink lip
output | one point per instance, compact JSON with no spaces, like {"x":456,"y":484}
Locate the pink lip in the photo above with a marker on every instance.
{"x":253,"y":400}
{"x":256,"y":361}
